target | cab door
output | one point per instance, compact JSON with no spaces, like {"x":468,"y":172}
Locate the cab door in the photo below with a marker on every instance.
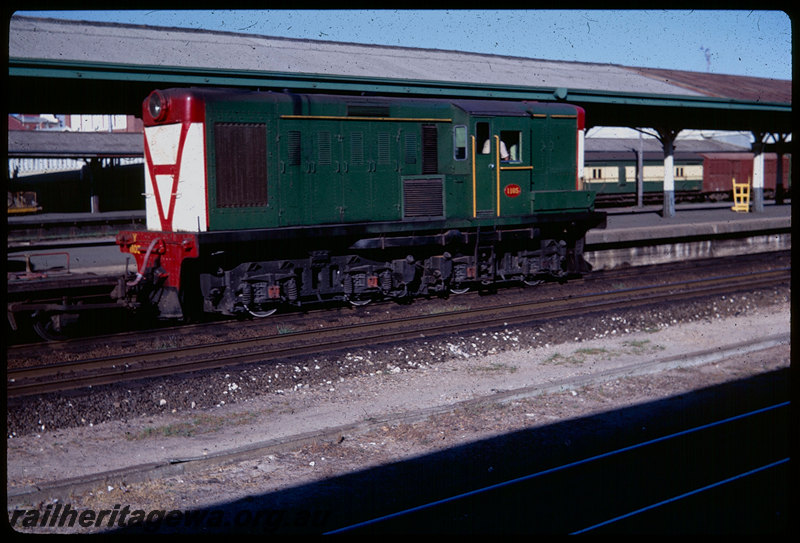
{"x":502,"y":167}
{"x":484,"y":169}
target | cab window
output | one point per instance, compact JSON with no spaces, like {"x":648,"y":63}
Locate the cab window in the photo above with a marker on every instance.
{"x":513,"y":144}
{"x":460,"y":142}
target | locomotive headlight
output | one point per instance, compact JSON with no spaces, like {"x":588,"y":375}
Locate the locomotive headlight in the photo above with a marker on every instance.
{"x":157,"y":106}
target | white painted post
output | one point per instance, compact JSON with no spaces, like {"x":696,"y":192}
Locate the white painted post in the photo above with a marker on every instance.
{"x":669,"y":186}
{"x":668,"y":141}
{"x":758,"y":178}
{"x":581,"y":159}
{"x":640,"y":173}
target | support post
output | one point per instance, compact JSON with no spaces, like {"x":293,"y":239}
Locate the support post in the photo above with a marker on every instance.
{"x":90,"y":176}
{"x":667,"y":137}
{"x":779,"y":178}
{"x":640,"y":173}
{"x":780,"y":149}
{"x":758,"y":173}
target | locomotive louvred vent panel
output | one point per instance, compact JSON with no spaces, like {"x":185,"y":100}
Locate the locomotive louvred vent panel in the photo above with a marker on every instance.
{"x":411,"y":148}
{"x":324,"y":147}
{"x":384,"y":141}
{"x":423,"y":198}
{"x":241,"y":164}
{"x":430,"y":149}
{"x":357,"y":148}
{"x":294,"y":148}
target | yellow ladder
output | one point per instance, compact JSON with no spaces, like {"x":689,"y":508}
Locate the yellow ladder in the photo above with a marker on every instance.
{"x":741,"y":196}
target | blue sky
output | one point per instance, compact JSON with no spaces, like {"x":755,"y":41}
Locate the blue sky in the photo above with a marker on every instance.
{"x":753,"y":43}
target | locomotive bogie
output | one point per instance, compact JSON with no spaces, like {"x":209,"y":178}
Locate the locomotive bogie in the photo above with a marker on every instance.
{"x":259,"y":287}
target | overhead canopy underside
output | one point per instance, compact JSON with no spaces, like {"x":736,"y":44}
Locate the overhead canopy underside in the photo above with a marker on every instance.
{"x":81,"y":67}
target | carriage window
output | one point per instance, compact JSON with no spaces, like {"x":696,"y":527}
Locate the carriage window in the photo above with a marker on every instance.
{"x":460,"y":142}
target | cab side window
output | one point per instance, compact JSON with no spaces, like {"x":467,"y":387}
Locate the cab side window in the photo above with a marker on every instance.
{"x":482,"y":136}
{"x":460,"y":142}
{"x":513,"y":143}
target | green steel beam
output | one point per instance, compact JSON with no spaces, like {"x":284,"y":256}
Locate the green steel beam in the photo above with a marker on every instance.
{"x":54,"y":69}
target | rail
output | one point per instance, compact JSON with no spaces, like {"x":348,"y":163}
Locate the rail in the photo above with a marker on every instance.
{"x":100,"y":371}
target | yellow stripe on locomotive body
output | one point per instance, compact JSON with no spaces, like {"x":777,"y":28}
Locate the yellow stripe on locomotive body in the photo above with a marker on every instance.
{"x":373,"y":119}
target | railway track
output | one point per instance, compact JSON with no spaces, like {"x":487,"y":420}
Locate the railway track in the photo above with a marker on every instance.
{"x":189,"y":358}
{"x":86,"y":338}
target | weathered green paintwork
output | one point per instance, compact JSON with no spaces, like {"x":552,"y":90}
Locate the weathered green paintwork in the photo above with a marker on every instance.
{"x":352,"y":169}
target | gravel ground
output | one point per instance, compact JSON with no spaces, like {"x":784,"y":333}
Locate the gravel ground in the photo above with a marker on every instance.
{"x":182,"y":418}
{"x":234,"y":385}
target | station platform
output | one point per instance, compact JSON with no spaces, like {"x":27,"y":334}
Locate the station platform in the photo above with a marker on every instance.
{"x":690,"y":220}
{"x":643,"y":236}
{"x":633,"y":236}
{"x":61,"y":228}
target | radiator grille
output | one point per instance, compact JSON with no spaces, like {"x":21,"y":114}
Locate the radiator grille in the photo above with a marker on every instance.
{"x":241,"y":164}
{"x":423,"y":198}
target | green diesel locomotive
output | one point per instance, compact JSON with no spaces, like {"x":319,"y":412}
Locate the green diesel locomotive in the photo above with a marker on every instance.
{"x":261,"y":199}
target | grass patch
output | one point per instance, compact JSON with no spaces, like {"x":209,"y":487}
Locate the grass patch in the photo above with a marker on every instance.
{"x":639,"y":347}
{"x":494,"y":367}
{"x":580,"y":356}
{"x":576,"y":358}
{"x":203,"y":424}
{"x":591,"y":351}
{"x":557,"y":359}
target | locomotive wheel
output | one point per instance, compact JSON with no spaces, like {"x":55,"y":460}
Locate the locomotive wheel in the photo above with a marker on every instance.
{"x":52,"y":326}
{"x":263,"y":314}
{"x":358,"y":302}
{"x":398,"y":295}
